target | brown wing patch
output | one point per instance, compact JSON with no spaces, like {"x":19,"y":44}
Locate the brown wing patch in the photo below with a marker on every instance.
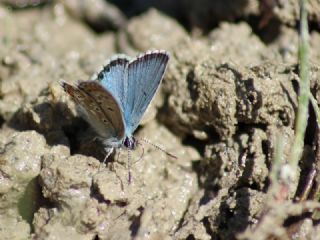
{"x":106,"y":102}
{"x":103,"y":121}
{"x":73,"y":92}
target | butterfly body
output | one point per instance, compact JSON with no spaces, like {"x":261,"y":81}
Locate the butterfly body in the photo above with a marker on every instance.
{"x":114,"y":101}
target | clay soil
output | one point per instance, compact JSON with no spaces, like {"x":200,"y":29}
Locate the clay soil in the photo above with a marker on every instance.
{"x":228,"y":95}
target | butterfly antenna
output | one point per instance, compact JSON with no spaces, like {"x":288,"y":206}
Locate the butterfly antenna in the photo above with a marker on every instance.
{"x":158,"y":147}
{"x":129,"y":167}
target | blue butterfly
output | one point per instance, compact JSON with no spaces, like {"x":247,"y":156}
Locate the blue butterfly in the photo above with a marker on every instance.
{"x":114,"y":101}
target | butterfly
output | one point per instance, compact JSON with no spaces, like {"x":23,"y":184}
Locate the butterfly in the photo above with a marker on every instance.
{"x":114,"y":100}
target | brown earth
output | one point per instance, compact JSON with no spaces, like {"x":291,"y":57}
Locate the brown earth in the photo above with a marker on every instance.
{"x":229,"y":92}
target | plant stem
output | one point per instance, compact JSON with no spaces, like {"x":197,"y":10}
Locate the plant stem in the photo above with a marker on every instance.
{"x":303,"y":100}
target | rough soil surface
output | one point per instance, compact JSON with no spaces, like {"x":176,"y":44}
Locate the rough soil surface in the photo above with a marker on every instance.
{"x":229,"y":92}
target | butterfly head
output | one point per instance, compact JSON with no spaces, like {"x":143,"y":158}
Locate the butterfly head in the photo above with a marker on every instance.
{"x":130,"y":143}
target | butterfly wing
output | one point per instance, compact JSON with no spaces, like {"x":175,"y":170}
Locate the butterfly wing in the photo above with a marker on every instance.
{"x":114,"y":75}
{"x":144,"y":76}
{"x":99,"y":108}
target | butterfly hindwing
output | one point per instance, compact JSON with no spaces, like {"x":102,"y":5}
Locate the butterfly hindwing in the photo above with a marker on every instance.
{"x":107,"y":119}
{"x":144,"y":76}
{"x":107,"y":103}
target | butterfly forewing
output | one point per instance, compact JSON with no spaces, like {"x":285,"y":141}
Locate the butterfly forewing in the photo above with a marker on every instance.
{"x":105,"y":120}
{"x":144,"y":76}
{"x":114,"y":75}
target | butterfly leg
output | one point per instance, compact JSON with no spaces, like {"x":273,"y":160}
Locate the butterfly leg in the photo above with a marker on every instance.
{"x":142,"y":154}
{"x":113,"y":162}
{"x":108,"y":153}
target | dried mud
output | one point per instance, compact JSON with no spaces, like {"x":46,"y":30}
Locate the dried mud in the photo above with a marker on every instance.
{"x":229,"y":91}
